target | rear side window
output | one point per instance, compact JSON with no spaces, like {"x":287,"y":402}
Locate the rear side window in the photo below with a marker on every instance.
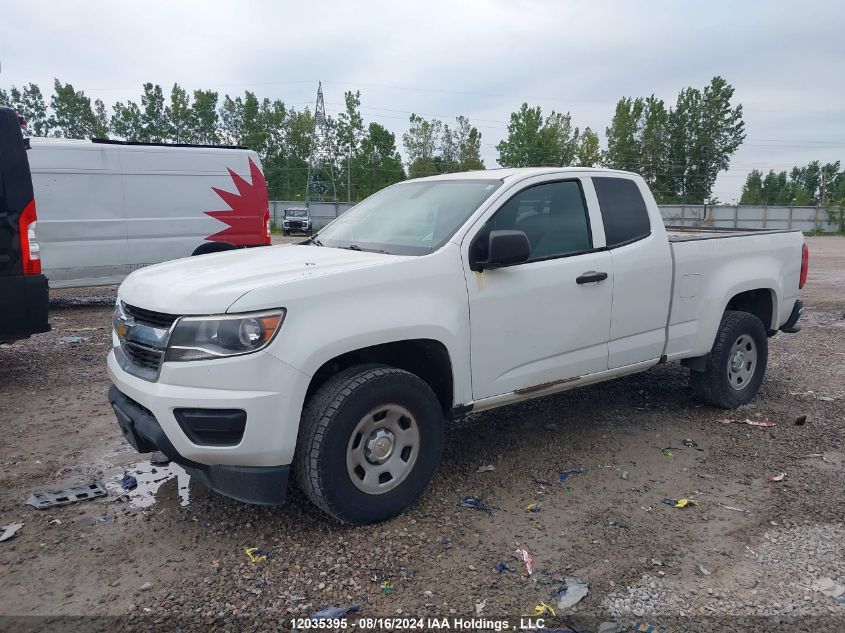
{"x":623,"y":210}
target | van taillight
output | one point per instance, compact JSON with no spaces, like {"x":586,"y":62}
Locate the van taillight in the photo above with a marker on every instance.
{"x":805,"y":265}
{"x":267,"y":228}
{"x":30,"y":251}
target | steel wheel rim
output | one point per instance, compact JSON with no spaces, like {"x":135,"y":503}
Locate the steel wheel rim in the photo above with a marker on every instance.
{"x":382,"y":449}
{"x":742,"y":362}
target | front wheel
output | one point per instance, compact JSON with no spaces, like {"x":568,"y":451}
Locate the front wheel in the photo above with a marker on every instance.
{"x":369,"y":443}
{"x":736,"y":364}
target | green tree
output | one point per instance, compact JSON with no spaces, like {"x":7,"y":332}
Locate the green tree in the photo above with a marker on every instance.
{"x":377,"y":164}
{"x":752,"y":190}
{"x":72,"y":115}
{"x":203,"y":118}
{"x":468,"y":140}
{"x":624,"y":135}
{"x":588,"y":153}
{"x":534,"y":141}
{"x":421,"y":142}
{"x":349,"y":131}
{"x":154,"y":122}
{"x":29,"y":103}
{"x":126,"y":121}
{"x":178,"y":114}
{"x":100,"y":125}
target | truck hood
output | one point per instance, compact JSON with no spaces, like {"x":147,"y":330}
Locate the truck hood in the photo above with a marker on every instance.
{"x":209,"y":284}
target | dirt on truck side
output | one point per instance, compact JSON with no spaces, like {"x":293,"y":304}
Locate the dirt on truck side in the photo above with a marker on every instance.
{"x":766,"y":537}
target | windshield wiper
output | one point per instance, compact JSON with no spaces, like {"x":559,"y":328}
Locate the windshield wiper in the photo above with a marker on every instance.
{"x":355,"y":247}
{"x":314,"y":241}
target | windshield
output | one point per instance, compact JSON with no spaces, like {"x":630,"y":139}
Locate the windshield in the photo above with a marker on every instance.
{"x":413,"y":218}
{"x":296,"y":213}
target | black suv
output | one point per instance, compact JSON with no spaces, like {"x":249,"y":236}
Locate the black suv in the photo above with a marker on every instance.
{"x":23,"y":289}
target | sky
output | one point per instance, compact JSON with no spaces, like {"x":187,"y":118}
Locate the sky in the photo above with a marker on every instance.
{"x":480,"y":59}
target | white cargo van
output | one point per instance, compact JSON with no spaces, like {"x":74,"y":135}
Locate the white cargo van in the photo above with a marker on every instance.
{"x":106,"y":208}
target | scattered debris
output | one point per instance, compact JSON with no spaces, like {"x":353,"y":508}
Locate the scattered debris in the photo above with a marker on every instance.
{"x":334,"y":613}
{"x":726,"y":420}
{"x":541,"y":482}
{"x":9,"y":531}
{"x":544,"y":609}
{"x":504,"y":567}
{"x":642,"y":627}
{"x":527,"y":559}
{"x":53,"y":498}
{"x":680,"y":503}
{"x":734,"y":508}
{"x":764,"y":423}
{"x":479,"y":606}
{"x":486,"y":469}
{"x":571,"y":592}
{"x":570,"y":471}
{"x":801,"y":420}
{"x":257,"y":554}
{"x":828,"y":587}
{"x":656,"y":563}
{"x":75,"y":339}
{"x":611,"y":627}
{"x":625,"y":475}
{"x":477,"y":504}
{"x":159,"y":459}
{"x":666,"y":451}
{"x":690,"y":443}
{"x":387,"y":587}
{"x":146,"y":586}
{"x":129,"y":482}
{"x":104,"y":518}
{"x":533,"y":507}
{"x":703,"y":570}
{"x":778,"y":477}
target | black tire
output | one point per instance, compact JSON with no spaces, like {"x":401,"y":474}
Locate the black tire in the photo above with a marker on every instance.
{"x":714,"y":384}
{"x":329,"y":419}
{"x":285,"y":232}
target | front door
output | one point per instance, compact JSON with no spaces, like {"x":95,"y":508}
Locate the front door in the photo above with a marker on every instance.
{"x":537,"y":322}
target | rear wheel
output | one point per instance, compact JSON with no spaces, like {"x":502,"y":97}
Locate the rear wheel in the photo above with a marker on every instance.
{"x":369,"y":443}
{"x":736,"y":364}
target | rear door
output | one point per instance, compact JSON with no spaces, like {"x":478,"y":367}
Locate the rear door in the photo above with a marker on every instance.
{"x":642,"y":267}
{"x":534,"y":323}
{"x":81,"y":221}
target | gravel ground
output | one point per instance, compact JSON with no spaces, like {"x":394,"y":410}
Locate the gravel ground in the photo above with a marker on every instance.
{"x":753,"y":555}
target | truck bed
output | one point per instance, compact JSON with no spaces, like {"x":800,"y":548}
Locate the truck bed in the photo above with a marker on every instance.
{"x":691,"y":233}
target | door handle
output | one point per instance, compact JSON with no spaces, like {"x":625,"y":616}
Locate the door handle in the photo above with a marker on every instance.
{"x":590,"y":277}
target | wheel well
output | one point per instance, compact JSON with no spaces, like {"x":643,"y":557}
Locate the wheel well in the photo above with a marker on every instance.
{"x":758,"y":302}
{"x":425,"y":358}
{"x":213,"y":247}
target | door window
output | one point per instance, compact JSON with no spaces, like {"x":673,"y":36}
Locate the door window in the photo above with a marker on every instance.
{"x":553,"y":216}
{"x":623,"y":210}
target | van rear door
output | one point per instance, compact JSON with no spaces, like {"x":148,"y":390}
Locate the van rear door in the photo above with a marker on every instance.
{"x":23,"y":289}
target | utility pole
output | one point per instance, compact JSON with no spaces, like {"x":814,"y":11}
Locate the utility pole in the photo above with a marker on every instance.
{"x":321,"y":175}
{"x":823,"y":197}
{"x":349,"y":174}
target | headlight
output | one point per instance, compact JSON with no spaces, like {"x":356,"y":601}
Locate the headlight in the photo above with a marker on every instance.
{"x":198,"y":338}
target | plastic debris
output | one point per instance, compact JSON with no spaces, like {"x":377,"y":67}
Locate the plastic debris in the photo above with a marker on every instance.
{"x":570,"y":471}
{"x":104,"y":518}
{"x":690,"y":443}
{"x":479,"y":606}
{"x":257,"y":554}
{"x":571,"y":592}
{"x":477,"y":504}
{"x":334,"y":613}
{"x":734,"y":508}
{"x":541,"y":482}
{"x":129,"y":482}
{"x":387,"y":587}
{"x":666,"y":451}
{"x":829,"y":587}
{"x":9,"y":531}
{"x":75,"y":339}
{"x":527,"y":559}
{"x":625,"y":475}
{"x":486,"y":469}
{"x":642,"y":627}
{"x":801,"y":420}
{"x":159,"y":459}
{"x":53,"y":498}
{"x":764,"y":423}
{"x":680,"y":503}
{"x":533,"y":507}
{"x":543,"y":609}
{"x":503,"y":568}
{"x":778,"y":477}
{"x":726,"y":420}
{"x":703,"y":570}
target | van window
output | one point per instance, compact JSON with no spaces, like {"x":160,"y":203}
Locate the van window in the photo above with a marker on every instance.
{"x":553,"y":216}
{"x":623,"y":210}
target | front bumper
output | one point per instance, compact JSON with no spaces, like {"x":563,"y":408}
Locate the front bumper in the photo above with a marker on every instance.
{"x":264,"y":485}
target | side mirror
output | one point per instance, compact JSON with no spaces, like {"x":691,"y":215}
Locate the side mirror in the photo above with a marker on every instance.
{"x":506,"y":248}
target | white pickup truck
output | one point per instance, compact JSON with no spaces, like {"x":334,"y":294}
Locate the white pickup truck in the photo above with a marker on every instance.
{"x":341,"y":358}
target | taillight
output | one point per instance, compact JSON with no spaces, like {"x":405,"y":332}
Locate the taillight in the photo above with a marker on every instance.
{"x":30,"y":251}
{"x":267,"y":228}
{"x":805,"y":265}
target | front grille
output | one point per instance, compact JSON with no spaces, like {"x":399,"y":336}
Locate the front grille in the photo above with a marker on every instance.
{"x":149,"y":317}
{"x":142,"y":355}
